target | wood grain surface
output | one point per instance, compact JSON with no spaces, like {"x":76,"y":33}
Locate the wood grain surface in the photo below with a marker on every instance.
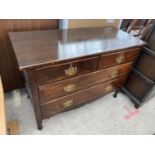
{"x":44,"y":47}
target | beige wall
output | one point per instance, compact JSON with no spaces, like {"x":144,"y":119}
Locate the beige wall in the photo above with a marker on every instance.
{"x":76,"y":23}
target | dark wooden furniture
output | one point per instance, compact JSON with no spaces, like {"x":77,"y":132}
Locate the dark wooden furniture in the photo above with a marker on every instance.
{"x":9,"y":70}
{"x":140,"y":28}
{"x":151,"y":39}
{"x":65,"y":69}
{"x":141,"y":79}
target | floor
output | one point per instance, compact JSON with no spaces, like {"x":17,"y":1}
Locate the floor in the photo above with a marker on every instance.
{"x":105,"y":116}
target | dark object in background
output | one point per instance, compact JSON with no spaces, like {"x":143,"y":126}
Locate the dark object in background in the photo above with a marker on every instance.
{"x":146,"y":64}
{"x":151,"y":40}
{"x":140,"y":81}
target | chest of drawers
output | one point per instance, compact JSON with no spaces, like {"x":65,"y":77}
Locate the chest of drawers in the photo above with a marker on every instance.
{"x":65,"y":69}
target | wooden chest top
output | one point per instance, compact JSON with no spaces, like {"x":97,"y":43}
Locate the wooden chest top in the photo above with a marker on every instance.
{"x":33,"y":48}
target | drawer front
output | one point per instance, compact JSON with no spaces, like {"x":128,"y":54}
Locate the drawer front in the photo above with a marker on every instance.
{"x":76,"y":99}
{"x":65,"y":87}
{"x":118,"y":58}
{"x":66,"y":70}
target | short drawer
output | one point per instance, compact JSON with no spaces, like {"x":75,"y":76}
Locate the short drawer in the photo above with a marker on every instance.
{"x":66,"y":70}
{"x":76,"y":99}
{"x":58,"y":89}
{"x":117,"y":58}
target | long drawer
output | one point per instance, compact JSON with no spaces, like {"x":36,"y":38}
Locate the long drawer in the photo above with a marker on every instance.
{"x":66,"y":70}
{"x":76,"y":99}
{"x":124,"y":56}
{"x":62,"y":88}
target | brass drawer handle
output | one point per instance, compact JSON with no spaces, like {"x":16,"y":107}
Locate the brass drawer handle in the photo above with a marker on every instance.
{"x":71,"y":70}
{"x":114,"y":74}
{"x":68,"y":103}
{"x":69,"y":87}
{"x":120,"y":59}
{"x":108,"y":88}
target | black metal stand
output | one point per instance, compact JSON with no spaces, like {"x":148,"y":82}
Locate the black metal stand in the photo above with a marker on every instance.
{"x":141,"y":78}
